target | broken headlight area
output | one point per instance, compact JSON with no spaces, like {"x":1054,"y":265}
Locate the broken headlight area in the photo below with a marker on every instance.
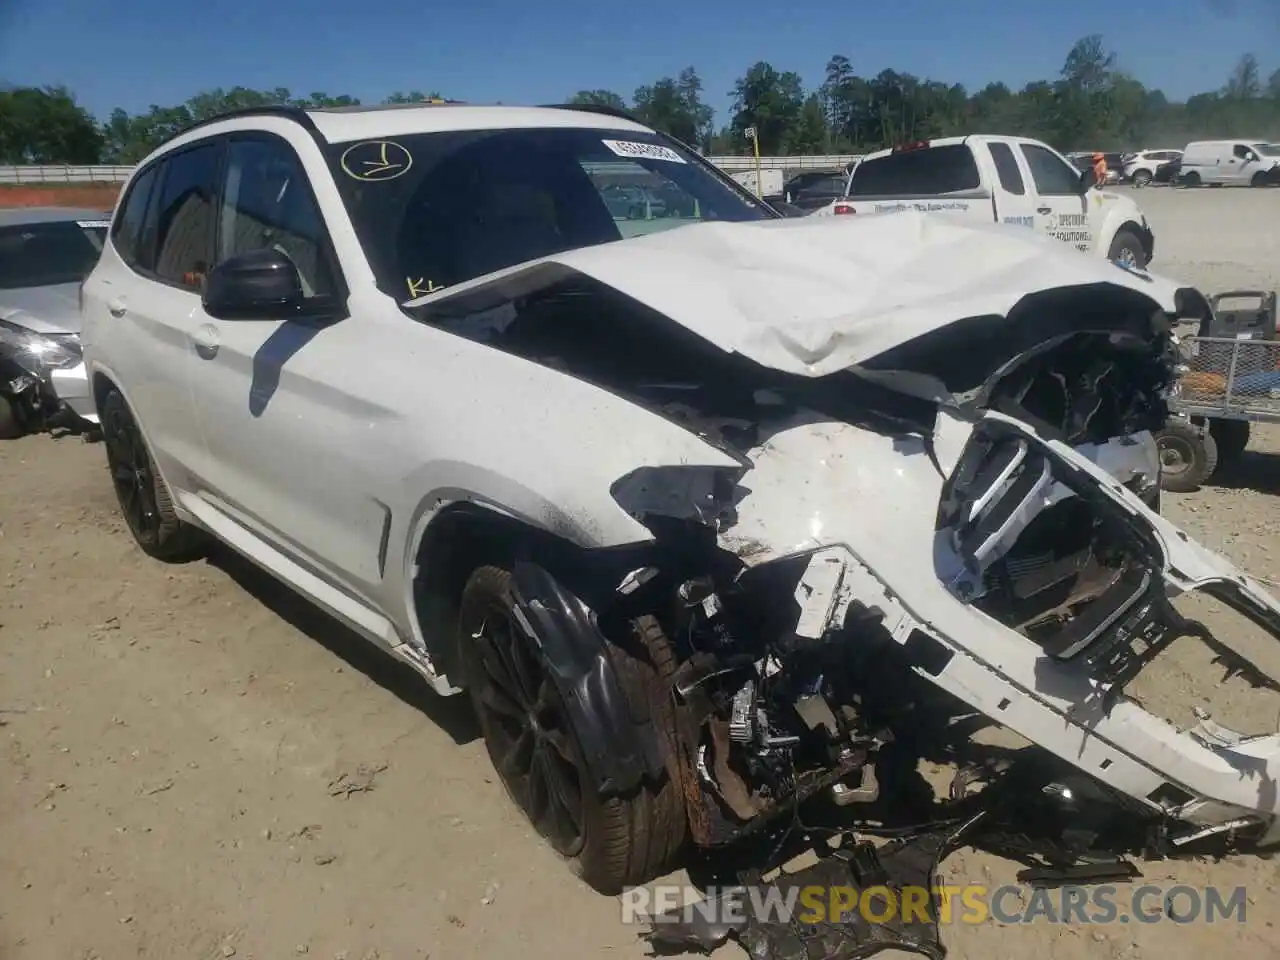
{"x":1022,"y":539}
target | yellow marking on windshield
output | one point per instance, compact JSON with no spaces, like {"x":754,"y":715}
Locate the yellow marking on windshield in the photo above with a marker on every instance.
{"x":421,"y":287}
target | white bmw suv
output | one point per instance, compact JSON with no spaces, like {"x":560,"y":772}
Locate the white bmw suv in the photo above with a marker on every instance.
{"x":690,"y":498}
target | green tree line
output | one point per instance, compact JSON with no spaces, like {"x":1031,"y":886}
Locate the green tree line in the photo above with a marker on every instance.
{"x":1093,"y":104}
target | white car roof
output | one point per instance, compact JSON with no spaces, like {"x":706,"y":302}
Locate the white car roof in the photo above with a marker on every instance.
{"x":339,"y":125}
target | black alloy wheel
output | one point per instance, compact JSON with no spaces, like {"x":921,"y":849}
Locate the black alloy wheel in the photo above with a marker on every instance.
{"x":526,"y":730}
{"x":132,"y":473}
{"x":144,"y":499}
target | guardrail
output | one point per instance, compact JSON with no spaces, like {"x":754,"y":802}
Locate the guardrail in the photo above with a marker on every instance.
{"x":119,"y":174}
{"x":834,"y":161}
{"x":61,"y":174}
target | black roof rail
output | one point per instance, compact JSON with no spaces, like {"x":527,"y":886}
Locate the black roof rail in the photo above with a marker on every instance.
{"x":592,"y":108}
{"x":296,"y":114}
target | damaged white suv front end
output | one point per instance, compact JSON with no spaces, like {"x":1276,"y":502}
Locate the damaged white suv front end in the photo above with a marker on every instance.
{"x":943,"y":467}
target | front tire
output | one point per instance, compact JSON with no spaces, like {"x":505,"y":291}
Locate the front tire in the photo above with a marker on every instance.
{"x":1187,"y":456}
{"x":1190,"y":180}
{"x":1127,"y":250}
{"x":612,"y":842}
{"x":142,"y":494}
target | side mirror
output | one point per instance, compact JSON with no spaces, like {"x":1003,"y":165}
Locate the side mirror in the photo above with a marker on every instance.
{"x":1088,"y":180}
{"x":257,"y":285}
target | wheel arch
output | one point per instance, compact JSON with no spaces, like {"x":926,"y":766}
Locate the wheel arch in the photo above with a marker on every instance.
{"x":561,"y":588}
{"x":1143,"y":233}
{"x":454,"y":534}
{"x":101,"y":384}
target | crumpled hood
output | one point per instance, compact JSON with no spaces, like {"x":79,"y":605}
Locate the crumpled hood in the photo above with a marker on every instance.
{"x":51,"y":309}
{"x":811,"y":295}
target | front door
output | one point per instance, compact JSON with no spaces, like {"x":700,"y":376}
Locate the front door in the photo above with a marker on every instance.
{"x":1242,"y":165}
{"x":278,"y":411}
{"x":1061,"y":210}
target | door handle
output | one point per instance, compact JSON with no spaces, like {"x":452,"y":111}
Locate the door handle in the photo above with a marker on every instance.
{"x":1044,"y":210}
{"x":205,"y":341}
{"x":116,"y":307}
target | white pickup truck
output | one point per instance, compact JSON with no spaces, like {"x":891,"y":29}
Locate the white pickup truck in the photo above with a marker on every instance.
{"x":1009,"y":180}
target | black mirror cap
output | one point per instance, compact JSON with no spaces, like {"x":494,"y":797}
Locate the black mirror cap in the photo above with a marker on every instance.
{"x":256,"y":285}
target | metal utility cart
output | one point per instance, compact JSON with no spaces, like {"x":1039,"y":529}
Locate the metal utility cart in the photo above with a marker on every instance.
{"x":1232,"y":380}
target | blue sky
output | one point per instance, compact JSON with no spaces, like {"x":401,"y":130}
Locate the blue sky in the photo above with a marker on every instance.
{"x":138,"y":52}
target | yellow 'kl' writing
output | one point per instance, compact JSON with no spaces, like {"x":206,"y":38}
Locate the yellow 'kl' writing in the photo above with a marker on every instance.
{"x":421,"y":287}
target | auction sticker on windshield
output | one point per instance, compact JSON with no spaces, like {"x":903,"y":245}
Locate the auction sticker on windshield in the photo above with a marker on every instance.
{"x":643,"y":151}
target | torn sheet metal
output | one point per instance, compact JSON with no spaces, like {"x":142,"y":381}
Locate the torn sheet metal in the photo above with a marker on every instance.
{"x":863,"y":492}
{"x":812,"y":296}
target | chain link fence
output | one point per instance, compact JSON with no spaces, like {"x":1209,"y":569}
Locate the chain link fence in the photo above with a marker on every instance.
{"x":1226,"y":374}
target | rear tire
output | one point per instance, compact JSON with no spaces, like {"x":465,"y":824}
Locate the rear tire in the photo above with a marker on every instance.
{"x":1187,"y":457}
{"x":1231,"y":437}
{"x":611,"y":842}
{"x":10,"y":425}
{"x":144,"y":498}
{"x":1141,"y":178}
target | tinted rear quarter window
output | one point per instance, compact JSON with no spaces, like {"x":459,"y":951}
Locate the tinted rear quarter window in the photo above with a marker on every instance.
{"x":1007,"y":168}
{"x":184,"y":238}
{"x":126,"y":232}
{"x":917,"y":173}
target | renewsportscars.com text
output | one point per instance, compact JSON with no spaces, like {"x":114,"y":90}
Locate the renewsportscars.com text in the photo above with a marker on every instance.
{"x":966,"y":904}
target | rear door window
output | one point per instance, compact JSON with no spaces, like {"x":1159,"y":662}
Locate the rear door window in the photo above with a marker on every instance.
{"x":928,"y":171}
{"x":1007,"y":169}
{"x":126,"y":232}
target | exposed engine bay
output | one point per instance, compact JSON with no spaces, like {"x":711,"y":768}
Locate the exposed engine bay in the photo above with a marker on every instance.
{"x":790,"y":676}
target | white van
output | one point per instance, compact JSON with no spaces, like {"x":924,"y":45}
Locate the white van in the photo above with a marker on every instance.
{"x":1253,"y":163}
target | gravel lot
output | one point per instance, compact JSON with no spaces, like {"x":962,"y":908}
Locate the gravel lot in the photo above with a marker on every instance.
{"x":172,"y":735}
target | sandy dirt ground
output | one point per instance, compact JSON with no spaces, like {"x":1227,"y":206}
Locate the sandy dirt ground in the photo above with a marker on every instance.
{"x":195,"y":764}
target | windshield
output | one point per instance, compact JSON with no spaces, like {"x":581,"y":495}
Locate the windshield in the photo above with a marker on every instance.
{"x":44,"y":254}
{"x":1267,"y":149}
{"x":436,"y":209}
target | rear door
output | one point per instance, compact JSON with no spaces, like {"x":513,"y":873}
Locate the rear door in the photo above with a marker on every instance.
{"x":149,"y":297}
{"x":1061,"y":209}
{"x":1015,"y":204}
{"x":1213,"y":164}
